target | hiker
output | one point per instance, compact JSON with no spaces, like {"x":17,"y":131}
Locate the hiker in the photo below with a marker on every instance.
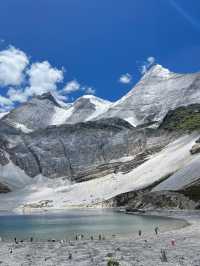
{"x":163,"y":257}
{"x":140,"y":232}
{"x":156,"y":230}
{"x":173,"y":242}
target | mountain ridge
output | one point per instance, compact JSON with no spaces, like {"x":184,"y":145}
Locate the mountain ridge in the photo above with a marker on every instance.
{"x":92,"y":150}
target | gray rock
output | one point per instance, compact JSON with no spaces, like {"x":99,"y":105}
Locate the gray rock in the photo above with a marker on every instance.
{"x":195,"y":148}
{"x":75,"y":151}
{"x":155,"y":94}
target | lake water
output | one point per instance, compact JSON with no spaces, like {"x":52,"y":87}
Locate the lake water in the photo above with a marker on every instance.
{"x":88,"y":222}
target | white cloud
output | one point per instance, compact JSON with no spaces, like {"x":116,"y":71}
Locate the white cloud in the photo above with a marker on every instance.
{"x":125,"y":78}
{"x":5,"y":101}
{"x":71,"y":86}
{"x":147,"y":64}
{"x":151,"y":60}
{"x":12,"y":65}
{"x":89,"y":90}
{"x":43,"y":78}
{"x":23,"y":79}
{"x":17,"y":95}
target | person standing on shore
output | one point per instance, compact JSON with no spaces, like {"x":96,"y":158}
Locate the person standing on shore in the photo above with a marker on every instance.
{"x":156,"y":230}
{"x":140,"y":232}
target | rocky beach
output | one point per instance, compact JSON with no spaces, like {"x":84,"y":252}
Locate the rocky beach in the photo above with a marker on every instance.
{"x":177,"y":247}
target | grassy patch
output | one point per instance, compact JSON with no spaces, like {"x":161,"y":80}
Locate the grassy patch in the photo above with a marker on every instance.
{"x":183,"y":118}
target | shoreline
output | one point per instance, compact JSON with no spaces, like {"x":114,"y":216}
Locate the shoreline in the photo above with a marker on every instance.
{"x":135,"y":250}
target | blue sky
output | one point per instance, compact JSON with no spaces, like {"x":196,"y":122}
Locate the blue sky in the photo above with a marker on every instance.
{"x":97,"y":41}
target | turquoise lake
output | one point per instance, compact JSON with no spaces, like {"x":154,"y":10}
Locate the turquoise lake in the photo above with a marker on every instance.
{"x":67,"y":224}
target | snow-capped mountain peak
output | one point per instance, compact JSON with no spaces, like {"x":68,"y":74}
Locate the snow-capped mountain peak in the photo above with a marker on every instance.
{"x":158,"y":91}
{"x":47,"y":96}
{"x":85,"y":108}
{"x":158,"y":71}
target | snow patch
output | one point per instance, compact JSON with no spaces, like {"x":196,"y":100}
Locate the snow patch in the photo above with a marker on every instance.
{"x":20,"y":126}
{"x":61,"y":115}
{"x":158,"y":71}
{"x":64,"y":194}
{"x":2,"y":114}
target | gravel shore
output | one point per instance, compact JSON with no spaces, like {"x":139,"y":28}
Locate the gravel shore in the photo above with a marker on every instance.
{"x":134,"y":251}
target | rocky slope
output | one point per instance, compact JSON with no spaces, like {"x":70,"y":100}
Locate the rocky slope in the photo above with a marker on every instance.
{"x":156,"y":93}
{"x":85,"y":153}
{"x":45,"y":110}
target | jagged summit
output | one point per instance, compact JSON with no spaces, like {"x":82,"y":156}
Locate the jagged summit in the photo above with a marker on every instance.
{"x":85,"y":108}
{"x":158,"y":71}
{"x":155,"y":94}
{"x":158,"y":91}
{"x":47,"y":96}
{"x":51,"y":97}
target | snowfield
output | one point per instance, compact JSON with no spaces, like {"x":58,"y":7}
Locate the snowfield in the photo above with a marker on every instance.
{"x":64,"y":194}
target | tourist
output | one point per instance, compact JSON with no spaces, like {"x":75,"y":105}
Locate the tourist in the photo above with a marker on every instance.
{"x":173,"y":242}
{"x":156,"y":230}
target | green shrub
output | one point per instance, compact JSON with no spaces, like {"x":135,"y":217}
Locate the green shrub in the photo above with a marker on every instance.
{"x":113,"y":262}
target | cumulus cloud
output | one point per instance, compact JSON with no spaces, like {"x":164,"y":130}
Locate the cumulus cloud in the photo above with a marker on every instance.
{"x":5,"y":101}
{"x":74,"y":85}
{"x":125,"y":78}
{"x":24,"y":79}
{"x":71,"y":86}
{"x":43,"y":78}
{"x":17,"y":95}
{"x":147,"y":64}
{"x":12,"y":65}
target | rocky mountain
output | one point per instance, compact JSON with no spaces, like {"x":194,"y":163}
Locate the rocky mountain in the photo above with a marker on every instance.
{"x":85,"y":108}
{"x":73,"y":151}
{"x":91,"y":151}
{"x":45,"y":110}
{"x":155,"y":94}
{"x":34,"y":114}
{"x":158,"y":92}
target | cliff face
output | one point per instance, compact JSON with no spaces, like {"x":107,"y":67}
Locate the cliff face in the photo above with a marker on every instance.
{"x":70,"y":150}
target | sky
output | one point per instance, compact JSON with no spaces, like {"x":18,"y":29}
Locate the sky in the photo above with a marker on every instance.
{"x":100,"y":47}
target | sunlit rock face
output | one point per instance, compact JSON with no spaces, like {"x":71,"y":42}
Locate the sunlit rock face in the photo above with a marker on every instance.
{"x":69,"y":150}
{"x":91,"y":137}
{"x":157,"y":92}
{"x":46,"y":110}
